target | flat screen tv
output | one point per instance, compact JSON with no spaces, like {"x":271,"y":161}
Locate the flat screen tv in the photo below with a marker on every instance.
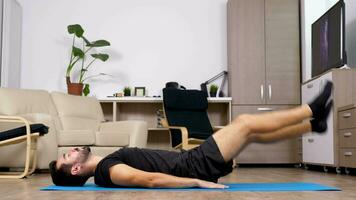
{"x":328,"y":40}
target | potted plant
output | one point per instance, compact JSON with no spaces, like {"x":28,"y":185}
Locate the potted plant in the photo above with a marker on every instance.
{"x":213,"y":90}
{"x":127,"y":91}
{"x":80,"y":55}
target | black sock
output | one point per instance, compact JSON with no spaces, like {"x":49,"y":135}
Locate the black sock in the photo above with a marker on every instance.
{"x":318,"y":104}
{"x":320,"y":125}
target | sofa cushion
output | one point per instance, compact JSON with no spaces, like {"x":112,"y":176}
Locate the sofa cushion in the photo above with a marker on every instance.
{"x":23,"y":101}
{"x":76,"y":137}
{"x":77,"y":112}
{"x":20,"y":101}
{"x":76,"y":123}
{"x":112,"y":139}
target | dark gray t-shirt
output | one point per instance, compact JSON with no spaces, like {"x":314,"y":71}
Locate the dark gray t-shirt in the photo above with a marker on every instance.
{"x":204,"y":162}
{"x":143,"y":159}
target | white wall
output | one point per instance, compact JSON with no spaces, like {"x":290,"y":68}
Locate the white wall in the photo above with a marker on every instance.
{"x":152,"y":42}
{"x":311,"y":11}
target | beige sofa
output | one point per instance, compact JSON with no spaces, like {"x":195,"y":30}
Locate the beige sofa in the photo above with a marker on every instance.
{"x":73,"y":121}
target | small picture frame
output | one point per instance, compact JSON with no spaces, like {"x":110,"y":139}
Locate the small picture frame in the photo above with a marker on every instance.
{"x":140,"y":91}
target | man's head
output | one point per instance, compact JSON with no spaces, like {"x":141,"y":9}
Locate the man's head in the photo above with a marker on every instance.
{"x":70,"y":169}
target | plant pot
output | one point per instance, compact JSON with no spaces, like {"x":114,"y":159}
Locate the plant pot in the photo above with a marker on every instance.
{"x":74,"y":88}
{"x":212,"y":94}
{"x":127,"y":93}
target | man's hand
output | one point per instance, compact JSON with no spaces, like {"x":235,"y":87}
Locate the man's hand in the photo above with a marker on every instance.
{"x":207,"y":184}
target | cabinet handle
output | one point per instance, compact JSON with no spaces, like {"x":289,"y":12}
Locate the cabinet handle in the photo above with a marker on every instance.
{"x":346,"y":115}
{"x":269,"y":91}
{"x":310,"y":85}
{"x":262,"y":92}
{"x":265,"y":109}
{"x":310,"y":140}
{"x":348,"y":134}
{"x":349,"y":153}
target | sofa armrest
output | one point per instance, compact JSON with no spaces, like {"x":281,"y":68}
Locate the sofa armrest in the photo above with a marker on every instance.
{"x":137,"y":130}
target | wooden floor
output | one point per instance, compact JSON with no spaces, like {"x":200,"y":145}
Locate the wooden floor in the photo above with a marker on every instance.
{"x":29,"y":188}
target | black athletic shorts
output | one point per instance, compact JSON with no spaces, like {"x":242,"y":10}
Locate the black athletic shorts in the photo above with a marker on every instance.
{"x":203,"y":162}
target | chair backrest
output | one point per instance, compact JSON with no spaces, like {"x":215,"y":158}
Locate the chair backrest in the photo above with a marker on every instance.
{"x":187,"y":108}
{"x":77,"y":112}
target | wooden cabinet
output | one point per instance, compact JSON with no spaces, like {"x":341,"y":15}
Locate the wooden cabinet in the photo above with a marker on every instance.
{"x":347,"y":136}
{"x":322,"y":149}
{"x":282,"y":84}
{"x":263,"y":52}
{"x":246,"y":51}
{"x":264,"y":66}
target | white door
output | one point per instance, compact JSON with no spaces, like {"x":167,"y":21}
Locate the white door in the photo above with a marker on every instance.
{"x":318,"y":148}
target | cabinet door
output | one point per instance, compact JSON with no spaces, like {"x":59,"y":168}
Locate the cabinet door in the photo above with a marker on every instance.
{"x":277,"y":152}
{"x":318,"y":148}
{"x":246,"y":51}
{"x":282,"y":52}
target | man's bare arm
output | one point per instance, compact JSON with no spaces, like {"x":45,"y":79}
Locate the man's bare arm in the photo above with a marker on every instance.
{"x":125,"y":175}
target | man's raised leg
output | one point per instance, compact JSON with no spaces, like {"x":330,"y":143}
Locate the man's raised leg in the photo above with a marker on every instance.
{"x":282,"y":134}
{"x":232,"y":138}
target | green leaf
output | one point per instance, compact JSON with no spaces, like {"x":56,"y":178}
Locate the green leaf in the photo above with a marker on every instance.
{"x":99,"y":43}
{"x":101,"y":56}
{"x":77,"y":52}
{"x":76,"y":29}
{"x":86,"y":89}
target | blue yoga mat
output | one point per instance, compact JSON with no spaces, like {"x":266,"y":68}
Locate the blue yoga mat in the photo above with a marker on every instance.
{"x":246,"y":187}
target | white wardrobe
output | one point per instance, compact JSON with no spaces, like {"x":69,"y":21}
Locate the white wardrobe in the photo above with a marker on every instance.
{"x":10,"y":43}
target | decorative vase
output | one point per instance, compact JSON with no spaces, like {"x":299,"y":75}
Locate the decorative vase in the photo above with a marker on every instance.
{"x":74,"y":88}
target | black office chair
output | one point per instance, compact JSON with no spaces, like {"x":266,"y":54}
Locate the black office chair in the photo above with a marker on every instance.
{"x":186,"y":117}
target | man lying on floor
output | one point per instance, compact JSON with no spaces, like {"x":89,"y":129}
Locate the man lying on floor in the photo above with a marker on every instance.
{"x":198,"y":167}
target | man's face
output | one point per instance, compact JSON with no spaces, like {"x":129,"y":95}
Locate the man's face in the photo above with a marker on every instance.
{"x":73,"y":156}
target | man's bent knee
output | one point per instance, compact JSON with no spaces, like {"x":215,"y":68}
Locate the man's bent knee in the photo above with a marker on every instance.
{"x":244,"y":121}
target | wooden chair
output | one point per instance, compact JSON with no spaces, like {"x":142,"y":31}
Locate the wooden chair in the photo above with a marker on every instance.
{"x":29,"y":134}
{"x":186,"y":117}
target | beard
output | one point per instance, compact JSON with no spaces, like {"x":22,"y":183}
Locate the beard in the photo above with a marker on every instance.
{"x":84,"y":154}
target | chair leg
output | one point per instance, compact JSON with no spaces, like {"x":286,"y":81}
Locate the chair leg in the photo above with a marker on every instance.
{"x":33,"y":156}
{"x":29,"y":149}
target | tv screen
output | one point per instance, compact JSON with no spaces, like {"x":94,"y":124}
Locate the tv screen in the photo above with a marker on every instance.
{"x":328,"y":40}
